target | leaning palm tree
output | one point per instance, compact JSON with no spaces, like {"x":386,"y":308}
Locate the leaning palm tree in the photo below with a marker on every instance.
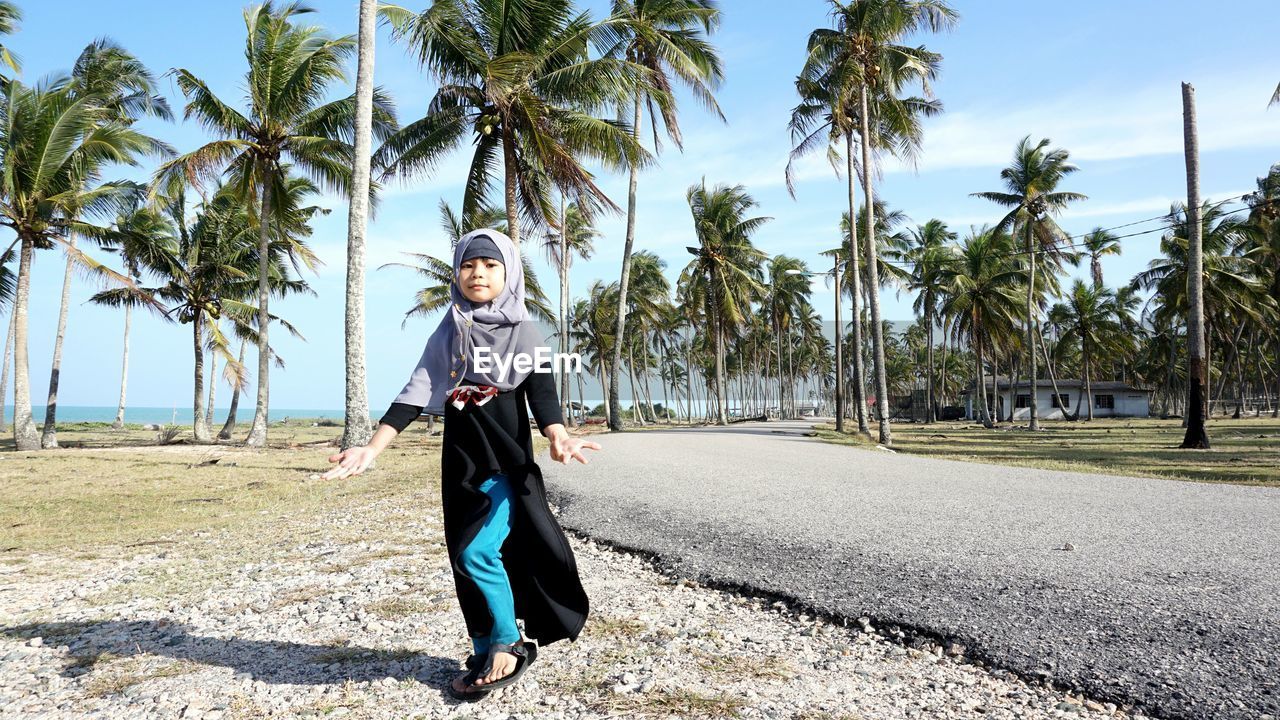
{"x":861,"y":58}
{"x":668,"y":38}
{"x":291,"y":69}
{"x":725,"y":274}
{"x":54,"y":142}
{"x":516,"y":78}
{"x":126,"y":89}
{"x":1031,"y":184}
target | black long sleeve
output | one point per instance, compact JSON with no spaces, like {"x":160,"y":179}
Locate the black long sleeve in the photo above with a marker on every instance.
{"x":399,"y":415}
{"x":540,"y":389}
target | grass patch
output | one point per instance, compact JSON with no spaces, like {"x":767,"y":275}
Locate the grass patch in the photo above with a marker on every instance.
{"x":119,"y":676}
{"x":394,"y":608}
{"x":1245,"y":451}
{"x":663,"y":703}
{"x":768,"y":667}
{"x":621,"y":627}
{"x":104,"y":488}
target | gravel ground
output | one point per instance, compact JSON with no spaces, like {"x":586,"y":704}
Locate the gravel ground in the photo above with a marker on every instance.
{"x":353,"y":615}
{"x":1156,"y":593}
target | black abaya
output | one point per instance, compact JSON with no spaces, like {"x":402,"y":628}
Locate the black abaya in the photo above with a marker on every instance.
{"x":479,"y":441}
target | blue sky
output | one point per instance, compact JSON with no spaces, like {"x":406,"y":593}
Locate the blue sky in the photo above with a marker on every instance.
{"x":1100,"y":79}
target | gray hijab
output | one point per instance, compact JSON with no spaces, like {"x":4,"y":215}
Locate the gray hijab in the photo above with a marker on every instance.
{"x":503,"y":325}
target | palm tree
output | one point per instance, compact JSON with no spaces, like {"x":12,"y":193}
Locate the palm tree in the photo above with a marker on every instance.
{"x":650,"y":296}
{"x":1091,"y":316}
{"x":439,"y":273}
{"x":54,"y":141}
{"x":142,"y":236}
{"x":812,"y":121}
{"x":357,"y":428}
{"x":1031,"y":183}
{"x":788,"y":289}
{"x":516,"y":77}
{"x":1098,"y":243}
{"x":10,"y":14}
{"x":592,"y":331}
{"x":668,"y":38}
{"x":126,"y":89}
{"x":928,"y":250}
{"x":981,"y":294}
{"x":725,"y":275}
{"x":574,"y":238}
{"x":861,"y":57}
{"x":290,"y":71}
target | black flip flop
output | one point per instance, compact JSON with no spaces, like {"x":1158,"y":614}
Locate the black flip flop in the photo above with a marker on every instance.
{"x":525,"y":652}
{"x":469,"y":679}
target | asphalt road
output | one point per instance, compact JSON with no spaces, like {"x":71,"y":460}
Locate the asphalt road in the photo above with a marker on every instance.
{"x":1169,"y":599}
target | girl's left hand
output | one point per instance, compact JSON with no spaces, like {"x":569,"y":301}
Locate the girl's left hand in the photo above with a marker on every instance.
{"x":564,"y":446}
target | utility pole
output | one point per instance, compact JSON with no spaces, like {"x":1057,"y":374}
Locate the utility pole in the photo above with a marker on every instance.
{"x":1196,"y":437}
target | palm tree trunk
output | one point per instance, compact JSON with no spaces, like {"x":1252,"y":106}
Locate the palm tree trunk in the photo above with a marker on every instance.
{"x":1053,"y":378}
{"x":873,"y":277}
{"x":946,"y":346}
{"x":688,"y":378}
{"x":213,"y":390}
{"x":981,"y":386}
{"x":357,"y":425}
{"x":510,"y":169}
{"x":855,"y":276}
{"x":615,"y":420}
{"x":230,"y":425}
{"x":929,"y":415}
{"x":258,"y":430}
{"x":24,"y":426}
{"x":4,"y":373}
{"x":636,"y":415}
{"x":199,"y":429}
{"x":582,"y":399}
{"x":1034,"y":422}
{"x":49,"y":436}
{"x":118,"y":424}
{"x":1197,"y":374}
{"x":1088,"y":385}
{"x":721,"y":419}
{"x":564,"y":309}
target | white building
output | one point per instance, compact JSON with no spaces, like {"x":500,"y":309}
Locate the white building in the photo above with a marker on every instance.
{"x":1110,"y":399}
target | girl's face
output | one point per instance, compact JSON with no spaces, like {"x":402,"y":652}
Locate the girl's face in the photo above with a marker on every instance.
{"x":481,"y":279}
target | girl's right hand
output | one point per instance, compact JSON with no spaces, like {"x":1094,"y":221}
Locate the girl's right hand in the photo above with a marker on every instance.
{"x":352,"y":461}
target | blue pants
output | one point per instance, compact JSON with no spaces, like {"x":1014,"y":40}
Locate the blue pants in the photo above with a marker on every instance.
{"x":482,"y":559}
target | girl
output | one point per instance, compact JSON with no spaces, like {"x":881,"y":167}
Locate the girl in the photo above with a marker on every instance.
{"x":492,"y":490}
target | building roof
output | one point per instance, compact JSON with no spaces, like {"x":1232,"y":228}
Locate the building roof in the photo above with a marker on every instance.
{"x":1002,"y":385}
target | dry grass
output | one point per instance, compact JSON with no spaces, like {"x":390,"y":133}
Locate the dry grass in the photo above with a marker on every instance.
{"x":1245,"y":452}
{"x":117,"y":491}
{"x":665,"y":703}
{"x":115,"y":677}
